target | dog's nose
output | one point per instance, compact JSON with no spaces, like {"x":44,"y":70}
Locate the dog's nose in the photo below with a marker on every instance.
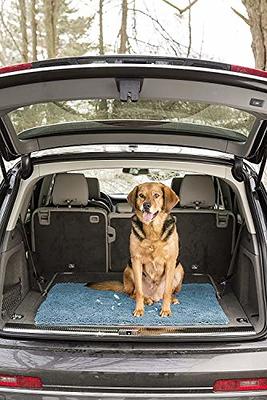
{"x":146,"y":206}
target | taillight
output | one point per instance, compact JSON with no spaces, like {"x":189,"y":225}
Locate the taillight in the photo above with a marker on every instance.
{"x":250,"y":71}
{"x":20,"y":381}
{"x":14,"y":68}
{"x":240,"y":385}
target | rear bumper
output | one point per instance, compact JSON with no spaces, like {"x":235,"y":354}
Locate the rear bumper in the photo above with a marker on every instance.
{"x":15,"y":394}
{"x":73,"y":371}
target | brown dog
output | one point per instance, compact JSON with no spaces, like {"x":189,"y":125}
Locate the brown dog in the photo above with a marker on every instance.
{"x":154,"y":271}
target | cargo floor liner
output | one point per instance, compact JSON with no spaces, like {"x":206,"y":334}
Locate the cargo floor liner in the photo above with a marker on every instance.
{"x":199,"y":294}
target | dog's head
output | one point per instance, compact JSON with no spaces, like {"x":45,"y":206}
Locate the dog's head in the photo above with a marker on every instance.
{"x":151,"y":199}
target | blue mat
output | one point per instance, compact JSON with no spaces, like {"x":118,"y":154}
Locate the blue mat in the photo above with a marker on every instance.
{"x":75,"y":304}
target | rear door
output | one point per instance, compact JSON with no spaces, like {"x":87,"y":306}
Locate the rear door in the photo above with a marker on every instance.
{"x":50,"y":105}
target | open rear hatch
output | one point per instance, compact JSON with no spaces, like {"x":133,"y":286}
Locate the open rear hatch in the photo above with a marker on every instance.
{"x":203,"y":105}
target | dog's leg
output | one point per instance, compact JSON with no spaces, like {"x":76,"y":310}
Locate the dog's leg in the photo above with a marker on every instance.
{"x":139,"y":296}
{"x":167,"y":297}
{"x":178,"y":280}
{"x":128,"y":281}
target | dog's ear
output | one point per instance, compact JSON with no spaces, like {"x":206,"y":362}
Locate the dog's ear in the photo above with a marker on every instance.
{"x":170,"y":198}
{"x":131,"y":198}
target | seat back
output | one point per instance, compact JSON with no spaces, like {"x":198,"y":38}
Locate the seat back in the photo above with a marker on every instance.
{"x":120,"y":221}
{"x":69,"y":236}
{"x":206,"y":232}
{"x":176,"y":185}
{"x":96,"y":198}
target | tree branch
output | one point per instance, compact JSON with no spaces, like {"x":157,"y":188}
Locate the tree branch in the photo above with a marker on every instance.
{"x":172,"y":5}
{"x":180,"y":10}
{"x":245,"y":19}
{"x":188,"y":7}
{"x":156,"y":21}
{"x":189,"y":30}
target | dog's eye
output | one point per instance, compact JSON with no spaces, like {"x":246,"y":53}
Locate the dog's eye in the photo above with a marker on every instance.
{"x":156,"y":195}
{"x":141,"y":195}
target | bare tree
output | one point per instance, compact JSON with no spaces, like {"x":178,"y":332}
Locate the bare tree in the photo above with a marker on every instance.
{"x":257,"y":21}
{"x":23,"y":28}
{"x":123,"y":29}
{"x":182,"y":11}
{"x":189,"y":29}
{"x":34,"y":30}
{"x":101,"y":33}
{"x":51,"y":8}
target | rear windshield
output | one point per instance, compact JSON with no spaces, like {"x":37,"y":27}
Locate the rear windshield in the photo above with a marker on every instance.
{"x":226,"y":122}
{"x":120,"y":181}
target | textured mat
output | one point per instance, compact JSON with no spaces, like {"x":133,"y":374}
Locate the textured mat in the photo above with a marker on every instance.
{"x":75,"y":304}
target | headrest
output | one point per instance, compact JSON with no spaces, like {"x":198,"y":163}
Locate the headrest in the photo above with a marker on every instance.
{"x":94,"y":188}
{"x":176,"y":185}
{"x":70,"y":189}
{"x":124,"y":208}
{"x":197,"y":191}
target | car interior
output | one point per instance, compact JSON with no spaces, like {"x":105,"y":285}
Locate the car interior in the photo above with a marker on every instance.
{"x":72,"y":231}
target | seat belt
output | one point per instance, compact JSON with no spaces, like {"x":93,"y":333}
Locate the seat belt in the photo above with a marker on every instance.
{"x":230,"y":271}
{"x":29,"y":256}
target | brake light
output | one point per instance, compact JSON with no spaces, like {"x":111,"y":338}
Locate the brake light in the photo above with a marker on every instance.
{"x":14,"y":68}
{"x":20,"y":381}
{"x":250,"y":71}
{"x":240,"y":385}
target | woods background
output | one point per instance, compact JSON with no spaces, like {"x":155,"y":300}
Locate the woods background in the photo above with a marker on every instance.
{"x":38,"y":29}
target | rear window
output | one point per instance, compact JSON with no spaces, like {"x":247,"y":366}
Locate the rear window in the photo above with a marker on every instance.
{"x":174,"y":115}
{"x":119,"y":181}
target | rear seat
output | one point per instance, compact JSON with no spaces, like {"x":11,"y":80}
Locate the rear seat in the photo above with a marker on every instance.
{"x":206,"y":232}
{"x":120,"y":221}
{"x":69,"y":236}
{"x":95,"y":196}
{"x":176,"y":185}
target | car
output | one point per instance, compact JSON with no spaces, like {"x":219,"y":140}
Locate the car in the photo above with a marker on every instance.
{"x":76,"y":135}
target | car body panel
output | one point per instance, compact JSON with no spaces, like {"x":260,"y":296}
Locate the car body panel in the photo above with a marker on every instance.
{"x":74,"y":371}
{"x":158,"y":82}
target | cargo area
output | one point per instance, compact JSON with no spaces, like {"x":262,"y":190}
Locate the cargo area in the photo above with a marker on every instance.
{"x":75,"y":239}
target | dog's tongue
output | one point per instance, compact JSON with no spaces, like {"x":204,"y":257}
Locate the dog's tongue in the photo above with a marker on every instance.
{"x":148,"y":216}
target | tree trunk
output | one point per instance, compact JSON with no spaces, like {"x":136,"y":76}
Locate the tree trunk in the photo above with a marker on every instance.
{"x":101,"y":34}
{"x":23,"y":28}
{"x":123,"y":29}
{"x":51,"y":16}
{"x":257,"y":13}
{"x":34,"y":30}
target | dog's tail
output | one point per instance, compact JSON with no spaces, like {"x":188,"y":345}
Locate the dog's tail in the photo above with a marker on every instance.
{"x":116,"y":286}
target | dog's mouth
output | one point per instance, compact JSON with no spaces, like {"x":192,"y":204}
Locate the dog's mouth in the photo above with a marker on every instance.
{"x":148,"y":216}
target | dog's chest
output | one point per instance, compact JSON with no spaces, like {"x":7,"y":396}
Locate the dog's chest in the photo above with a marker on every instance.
{"x":153,"y":251}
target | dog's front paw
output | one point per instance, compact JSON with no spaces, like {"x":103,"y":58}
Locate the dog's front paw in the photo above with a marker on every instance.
{"x":148,"y":301}
{"x":138,"y":312}
{"x":175,"y":300}
{"x":165,"y":312}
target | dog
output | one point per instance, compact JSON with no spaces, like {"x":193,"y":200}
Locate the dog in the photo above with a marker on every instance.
{"x":154,"y":272}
